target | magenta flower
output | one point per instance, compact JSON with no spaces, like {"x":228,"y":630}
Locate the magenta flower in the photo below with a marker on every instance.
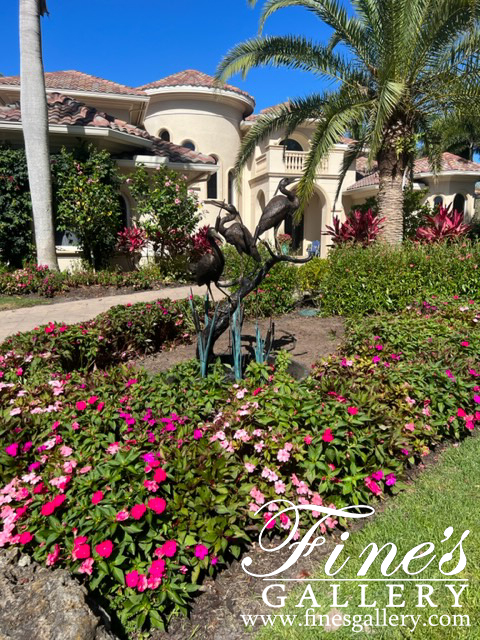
{"x":97,"y":497}
{"x":104,"y":549}
{"x":158,"y":505}
{"x":352,"y":411}
{"x":12,"y":449}
{"x":25,"y":537}
{"x":378,"y":475}
{"x":307,"y":439}
{"x":160,"y":475}
{"x":131,"y":579}
{"x":121,"y":516}
{"x":197,"y":434}
{"x":390,"y":480}
{"x":157,"y":568}
{"x":81,"y":405}
{"x":201,"y":551}
{"x":328,"y":435}
{"x":137,"y":511}
{"x":169,"y":548}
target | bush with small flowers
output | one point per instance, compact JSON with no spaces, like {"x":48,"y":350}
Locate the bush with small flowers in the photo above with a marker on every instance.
{"x":142,"y":486}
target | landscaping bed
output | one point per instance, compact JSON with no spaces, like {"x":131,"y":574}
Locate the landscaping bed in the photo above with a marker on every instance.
{"x":306,"y":339}
{"x":143,"y":486}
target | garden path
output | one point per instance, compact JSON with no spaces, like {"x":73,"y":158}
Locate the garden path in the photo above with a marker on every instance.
{"x":71,"y":312}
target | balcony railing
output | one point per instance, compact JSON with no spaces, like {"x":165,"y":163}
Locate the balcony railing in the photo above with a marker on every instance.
{"x":277,"y":160}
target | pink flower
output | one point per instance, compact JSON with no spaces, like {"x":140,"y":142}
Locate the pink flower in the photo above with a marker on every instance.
{"x":80,"y":551}
{"x":158,"y":505}
{"x":12,"y":449}
{"x":113,"y":448}
{"x":476,"y":399}
{"x":53,"y":557}
{"x":307,"y":439}
{"x":100,"y":406}
{"x":328,"y":435}
{"x":86,"y":567}
{"x":378,"y":475}
{"x":131,"y":579}
{"x":373,"y":486}
{"x":141,"y":583}
{"x":157,"y":568}
{"x":81,"y":405}
{"x":104,"y":548}
{"x":465,"y":343}
{"x":352,"y":411}
{"x":25,"y":537}
{"x":283,"y":455}
{"x":168,"y":549}
{"x":97,"y":497}
{"x":249,"y":467}
{"x":66,"y":451}
{"x":390,"y":480}
{"x":410,"y":426}
{"x":279,"y":487}
{"x":201,"y":551}
{"x":160,"y":475}
{"x":137,"y":511}
{"x":197,"y":434}
{"x":121,"y":516}
{"x":92,"y":399}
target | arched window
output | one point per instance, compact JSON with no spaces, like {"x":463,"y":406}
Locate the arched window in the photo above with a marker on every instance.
{"x":188,"y":144}
{"x":459,"y":203}
{"x":438,"y":201}
{"x":296,"y":232}
{"x":212,"y":183}
{"x":122,"y":201}
{"x":231,"y":187}
{"x":291,"y":145}
{"x":164,"y":135}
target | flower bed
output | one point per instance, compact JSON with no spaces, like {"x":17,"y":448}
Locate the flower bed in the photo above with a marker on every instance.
{"x":141,"y":486}
{"x":40,"y":280}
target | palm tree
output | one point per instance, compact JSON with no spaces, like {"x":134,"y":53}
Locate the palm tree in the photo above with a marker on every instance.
{"x":395,"y":65}
{"x":35,"y":129}
{"x":459,"y":133}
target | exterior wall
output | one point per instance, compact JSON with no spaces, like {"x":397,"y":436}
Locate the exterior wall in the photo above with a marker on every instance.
{"x":212,"y":124}
{"x":448,"y":187}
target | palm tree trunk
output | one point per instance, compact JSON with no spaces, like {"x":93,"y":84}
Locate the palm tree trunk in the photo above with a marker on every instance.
{"x":35,"y":129}
{"x":391,"y":170}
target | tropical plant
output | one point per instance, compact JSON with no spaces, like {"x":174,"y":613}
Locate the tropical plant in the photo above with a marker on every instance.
{"x":87,"y":204}
{"x":16,"y":232}
{"x":444,"y":225}
{"x":360,"y":227}
{"x":35,"y":128}
{"x":459,"y":132}
{"x":131,"y":241}
{"x":396,"y":64}
{"x":167,"y":209}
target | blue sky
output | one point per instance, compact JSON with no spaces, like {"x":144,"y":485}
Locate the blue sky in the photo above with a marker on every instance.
{"x":138,"y":42}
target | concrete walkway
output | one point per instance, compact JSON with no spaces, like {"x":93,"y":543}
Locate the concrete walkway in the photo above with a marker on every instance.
{"x":73,"y":311}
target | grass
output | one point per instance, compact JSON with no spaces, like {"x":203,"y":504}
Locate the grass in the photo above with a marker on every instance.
{"x":446,"y":495}
{"x":18,"y":302}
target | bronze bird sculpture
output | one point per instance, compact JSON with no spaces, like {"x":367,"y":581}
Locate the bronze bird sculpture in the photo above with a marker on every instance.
{"x":237,"y":233}
{"x":210,"y":266}
{"x":277,"y":209}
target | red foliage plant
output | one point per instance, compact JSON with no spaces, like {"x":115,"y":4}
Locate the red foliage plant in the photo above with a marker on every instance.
{"x":444,"y":225}
{"x":200,"y":242}
{"x":131,"y":240}
{"x":360,"y":227}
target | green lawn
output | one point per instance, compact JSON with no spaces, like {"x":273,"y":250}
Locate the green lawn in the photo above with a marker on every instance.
{"x":17,"y":302}
{"x":447,"y":494}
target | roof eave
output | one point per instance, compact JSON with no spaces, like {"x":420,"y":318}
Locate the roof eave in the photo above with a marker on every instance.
{"x":226,"y":93}
{"x":137,"y":97}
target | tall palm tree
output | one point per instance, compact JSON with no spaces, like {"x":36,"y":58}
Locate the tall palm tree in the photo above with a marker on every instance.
{"x":35,"y":128}
{"x":460,"y":134}
{"x":395,"y":65}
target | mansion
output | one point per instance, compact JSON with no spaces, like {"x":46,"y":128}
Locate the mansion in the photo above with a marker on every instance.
{"x":185,"y":122}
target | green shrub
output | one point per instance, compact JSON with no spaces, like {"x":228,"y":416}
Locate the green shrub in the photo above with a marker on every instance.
{"x":16,"y":227}
{"x":86,"y":201}
{"x":277,"y":293}
{"x":312,"y":275}
{"x":382,"y":278}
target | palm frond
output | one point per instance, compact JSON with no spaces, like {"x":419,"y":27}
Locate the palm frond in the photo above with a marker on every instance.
{"x":291,"y":52}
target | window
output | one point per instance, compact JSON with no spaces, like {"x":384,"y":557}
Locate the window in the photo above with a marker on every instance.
{"x":188,"y":144}
{"x":296,"y":232}
{"x":291,"y":145}
{"x":212,"y":183}
{"x":122,"y":201}
{"x":438,"y":202}
{"x":164,"y":135}
{"x":459,"y":203}
{"x":231,"y":187}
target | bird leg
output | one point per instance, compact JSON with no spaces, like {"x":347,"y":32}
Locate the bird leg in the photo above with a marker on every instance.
{"x":275,"y":233}
{"x":224,"y":292}
{"x":210,"y":292}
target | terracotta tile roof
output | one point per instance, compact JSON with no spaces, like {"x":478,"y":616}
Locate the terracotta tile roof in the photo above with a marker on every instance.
{"x":77,"y":81}
{"x":192,"y":78}
{"x":450,"y":162}
{"x":63,"y":110}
